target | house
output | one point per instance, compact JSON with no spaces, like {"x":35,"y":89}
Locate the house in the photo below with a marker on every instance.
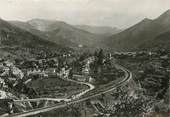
{"x":2,"y":83}
{"x":50,"y":70}
{"x":3,"y":94}
{"x":37,"y":72}
{"x":165,"y":57}
{"x":85,"y":70}
{"x":91,"y":80}
{"x":17,"y":72}
{"x":4,"y":70}
{"x":7,"y":63}
{"x":80,"y":78}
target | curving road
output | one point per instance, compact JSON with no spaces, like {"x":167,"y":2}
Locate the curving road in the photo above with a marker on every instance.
{"x":128,"y":76}
{"x":90,"y":87}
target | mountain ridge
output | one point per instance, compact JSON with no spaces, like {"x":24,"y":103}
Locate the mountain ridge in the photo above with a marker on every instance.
{"x":140,"y":34}
{"x":63,"y":33}
{"x":18,"y":41}
{"x":102,"y":30}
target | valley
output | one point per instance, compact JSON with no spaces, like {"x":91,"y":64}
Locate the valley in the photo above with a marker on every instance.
{"x":52,"y":68}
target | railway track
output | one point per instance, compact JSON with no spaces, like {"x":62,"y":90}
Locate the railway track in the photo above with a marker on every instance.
{"x":128,"y":76}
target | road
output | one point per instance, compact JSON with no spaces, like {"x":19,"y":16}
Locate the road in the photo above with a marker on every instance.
{"x":90,"y":87}
{"x":128,"y":76}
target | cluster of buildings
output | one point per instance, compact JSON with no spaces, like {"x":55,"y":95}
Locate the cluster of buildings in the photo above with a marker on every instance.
{"x":9,"y":77}
{"x":99,"y":108}
{"x":13,"y":72}
{"x":85,"y":71}
{"x":9,"y":72}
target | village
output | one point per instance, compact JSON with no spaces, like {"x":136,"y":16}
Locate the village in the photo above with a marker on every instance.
{"x":43,"y":78}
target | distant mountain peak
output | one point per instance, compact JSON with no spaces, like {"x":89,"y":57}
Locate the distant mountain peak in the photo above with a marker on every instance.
{"x":38,"y":19}
{"x":45,"y":24}
{"x":101,"y":30}
{"x":3,"y":23}
{"x":146,"y":20}
{"x":165,"y":15}
{"x":12,"y":36}
{"x":45,"y":21}
{"x":142,"y":23}
{"x":164,"y":18}
{"x":167,"y":12}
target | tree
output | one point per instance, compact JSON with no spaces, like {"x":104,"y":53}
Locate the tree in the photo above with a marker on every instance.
{"x":95,"y":54}
{"x":100,"y":57}
{"x":70,"y":74}
{"x":95,"y":57}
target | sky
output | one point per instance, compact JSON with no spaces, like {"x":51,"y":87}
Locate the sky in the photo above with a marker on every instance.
{"x":114,"y":13}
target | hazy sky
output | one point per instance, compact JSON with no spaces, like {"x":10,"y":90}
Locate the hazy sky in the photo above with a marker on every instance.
{"x":119,"y":13}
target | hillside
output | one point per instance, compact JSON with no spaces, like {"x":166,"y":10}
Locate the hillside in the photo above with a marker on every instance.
{"x":141,"y":35}
{"x":61,"y":33}
{"x":161,"y":41}
{"x":101,"y":30}
{"x":13,"y":38}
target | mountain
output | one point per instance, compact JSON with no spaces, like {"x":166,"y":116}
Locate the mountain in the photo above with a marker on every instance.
{"x":146,"y":34}
{"x":161,"y":41}
{"x":61,"y":33}
{"x":142,"y":35}
{"x":47,"y":25}
{"x":102,"y":30}
{"x":38,"y":31}
{"x":13,"y":38}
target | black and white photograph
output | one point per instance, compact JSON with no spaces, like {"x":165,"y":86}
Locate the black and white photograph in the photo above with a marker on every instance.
{"x":84,"y":58}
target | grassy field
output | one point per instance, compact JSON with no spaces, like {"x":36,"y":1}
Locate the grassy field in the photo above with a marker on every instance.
{"x":55,"y":87}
